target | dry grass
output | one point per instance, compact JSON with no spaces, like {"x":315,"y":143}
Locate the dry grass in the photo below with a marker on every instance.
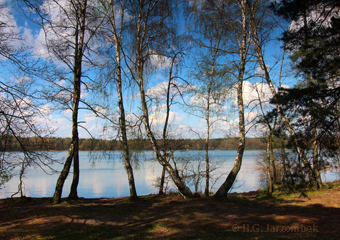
{"x":311,"y":214}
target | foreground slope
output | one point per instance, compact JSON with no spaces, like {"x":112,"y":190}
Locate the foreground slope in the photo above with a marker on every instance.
{"x":297,"y":215}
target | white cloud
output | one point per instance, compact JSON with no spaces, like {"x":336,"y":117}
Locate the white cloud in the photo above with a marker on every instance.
{"x":90,"y":116}
{"x":46,"y":119}
{"x":67,"y":112}
{"x":46,"y":110}
{"x":60,"y":32}
{"x":250,"y":117}
{"x":65,"y":96}
{"x":62,"y":126}
{"x":28,"y":37}
{"x":158,"y":108}
{"x":160,"y":90}
{"x":217,"y":99}
{"x":259,"y":70}
{"x":20,"y":80}
{"x":10,"y":32}
{"x":61,"y":83}
{"x":40,"y":48}
{"x":158,"y":61}
{"x":252,"y":93}
{"x":83,"y":94}
{"x":101,"y":110}
{"x":8,"y":20}
{"x":158,"y":118}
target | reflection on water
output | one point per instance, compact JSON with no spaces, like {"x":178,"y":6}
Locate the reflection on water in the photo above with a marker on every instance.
{"x":107,"y":177}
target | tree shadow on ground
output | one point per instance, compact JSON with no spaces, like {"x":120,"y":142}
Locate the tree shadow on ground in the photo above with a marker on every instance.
{"x":241,"y":217}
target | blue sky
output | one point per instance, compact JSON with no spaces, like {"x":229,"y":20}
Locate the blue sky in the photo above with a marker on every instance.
{"x":183,"y":124}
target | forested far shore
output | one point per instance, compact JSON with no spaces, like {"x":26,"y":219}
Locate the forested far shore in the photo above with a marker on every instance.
{"x":88,"y":144}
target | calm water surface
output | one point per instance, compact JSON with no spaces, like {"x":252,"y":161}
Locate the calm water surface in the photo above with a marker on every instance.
{"x":105,"y":177}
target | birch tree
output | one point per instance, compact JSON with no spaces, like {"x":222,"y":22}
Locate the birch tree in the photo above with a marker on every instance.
{"x":211,"y":78}
{"x":115,"y":12}
{"x":258,"y":8}
{"x":150,"y":31}
{"x":230,"y":10}
{"x":68,"y":29}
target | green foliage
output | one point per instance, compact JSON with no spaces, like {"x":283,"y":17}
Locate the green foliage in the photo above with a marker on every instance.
{"x":313,"y":39}
{"x":301,"y":105}
{"x":312,"y":107}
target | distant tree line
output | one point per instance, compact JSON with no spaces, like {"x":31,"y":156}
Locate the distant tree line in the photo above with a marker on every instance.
{"x":88,"y":144}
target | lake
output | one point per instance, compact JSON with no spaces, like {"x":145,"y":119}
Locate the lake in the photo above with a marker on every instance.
{"x":104,"y":176}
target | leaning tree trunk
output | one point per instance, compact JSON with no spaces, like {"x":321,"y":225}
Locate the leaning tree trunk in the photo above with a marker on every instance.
{"x":227,"y":185}
{"x":224,"y":189}
{"x":78,"y":56}
{"x":161,"y":184}
{"x":291,"y":131}
{"x":63,"y":175}
{"x":75,"y":180}
{"x":122,"y":125}
{"x":143,"y":42}
{"x":117,"y":35}
{"x":76,"y":96}
{"x":165,"y":127}
{"x":73,"y":151}
{"x":182,"y":188}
